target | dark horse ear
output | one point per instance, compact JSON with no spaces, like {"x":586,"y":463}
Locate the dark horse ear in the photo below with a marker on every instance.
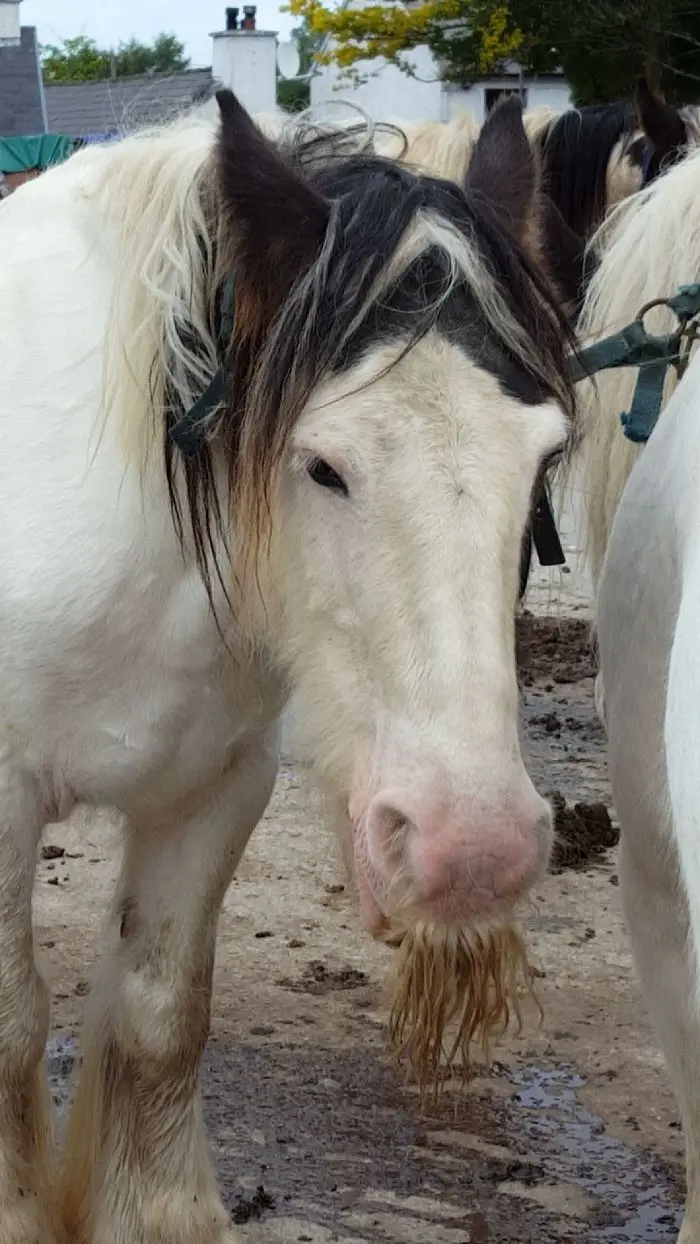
{"x":275,"y":219}
{"x":661,"y":122}
{"x":569,"y":265}
{"x":503,"y":168}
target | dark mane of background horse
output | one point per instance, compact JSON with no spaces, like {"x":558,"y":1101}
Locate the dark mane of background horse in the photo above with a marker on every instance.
{"x":575,"y":149}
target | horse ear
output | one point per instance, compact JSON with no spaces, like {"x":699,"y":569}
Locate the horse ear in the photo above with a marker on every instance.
{"x":276,"y":221}
{"x":503,"y":168}
{"x":661,"y":122}
{"x":568,"y":264}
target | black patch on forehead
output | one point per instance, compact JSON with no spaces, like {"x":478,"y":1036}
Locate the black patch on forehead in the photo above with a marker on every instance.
{"x":379,"y":201}
{"x":459,"y":320}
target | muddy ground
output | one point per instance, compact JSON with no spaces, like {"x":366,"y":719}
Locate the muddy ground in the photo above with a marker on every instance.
{"x":572,"y":1136}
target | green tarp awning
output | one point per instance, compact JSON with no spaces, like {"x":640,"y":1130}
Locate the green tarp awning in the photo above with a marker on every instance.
{"x":35,"y":151}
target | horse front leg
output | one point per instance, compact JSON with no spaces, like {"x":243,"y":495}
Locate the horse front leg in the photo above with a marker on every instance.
{"x":136,"y":1167}
{"x":26,"y":1200}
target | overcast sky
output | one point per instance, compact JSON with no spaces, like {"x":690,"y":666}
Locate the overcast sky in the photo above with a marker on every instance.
{"x":110,"y":21}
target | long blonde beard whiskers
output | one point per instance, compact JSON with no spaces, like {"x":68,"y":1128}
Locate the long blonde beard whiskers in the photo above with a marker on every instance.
{"x":459,"y":979}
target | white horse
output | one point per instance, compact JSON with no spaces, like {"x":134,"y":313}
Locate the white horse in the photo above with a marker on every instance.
{"x":643,"y":515}
{"x":647,"y":249}
{"x":342,"y":514}
{"x":648,"y":622}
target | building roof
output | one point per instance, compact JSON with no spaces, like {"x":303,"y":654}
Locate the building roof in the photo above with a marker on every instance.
{"x":21,"y":91}
{"x":121,"y":104}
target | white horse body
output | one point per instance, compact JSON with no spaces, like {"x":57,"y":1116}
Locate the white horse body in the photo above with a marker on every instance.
{"x":648,"y":622}
{"x":375,"y":571}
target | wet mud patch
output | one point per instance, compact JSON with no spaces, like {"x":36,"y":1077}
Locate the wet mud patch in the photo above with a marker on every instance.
{"x":553,"y":650}
{"x":340,"y":1145}
{"x":317,"y":978}
{"x":563,"y":739}
{"x":637,"y":1197}
{"x":60,"y":1060}
{"x":583,"y":833}
{"x":324,"y":1145}
{"x":250,"y":1208}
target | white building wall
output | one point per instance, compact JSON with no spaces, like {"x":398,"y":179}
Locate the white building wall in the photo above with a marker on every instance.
{"x":550,"y":94}
{"x":9,"y":21}
{"x":469,"y":99}
{"x":246,"y":62}
{"x":541,"y":92}
{"x":388,"y":93}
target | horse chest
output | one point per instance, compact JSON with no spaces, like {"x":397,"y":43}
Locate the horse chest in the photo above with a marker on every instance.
{"x":176,"y":705}
{"x":175,"y":732}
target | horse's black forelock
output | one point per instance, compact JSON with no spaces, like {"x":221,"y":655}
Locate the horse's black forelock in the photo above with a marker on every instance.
{"x":330,"y":317}
{"x":379,"y":201}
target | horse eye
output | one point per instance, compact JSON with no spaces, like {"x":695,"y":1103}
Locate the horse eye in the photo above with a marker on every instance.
{"x":324,"y":475}
{"x":552,"y":460}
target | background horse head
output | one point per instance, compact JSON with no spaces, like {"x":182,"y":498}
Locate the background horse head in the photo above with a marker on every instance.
{"x":669,"y":133}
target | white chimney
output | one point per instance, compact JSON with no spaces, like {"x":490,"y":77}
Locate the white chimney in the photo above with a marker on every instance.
{"x":245,"y":60}
{"x":9,"y":21}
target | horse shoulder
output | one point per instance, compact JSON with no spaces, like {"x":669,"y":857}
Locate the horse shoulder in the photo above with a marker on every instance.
{"x":648,"y":629}
{"x":649,"y":608}
{"x":680,"y":422}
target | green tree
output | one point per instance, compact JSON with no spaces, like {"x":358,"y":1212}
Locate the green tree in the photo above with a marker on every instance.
{"x":470,"y":37}
{"x":74,"y":60}
{"x":81,"y":60}
{"x":165,"y":55}
{"x":601,"y":45}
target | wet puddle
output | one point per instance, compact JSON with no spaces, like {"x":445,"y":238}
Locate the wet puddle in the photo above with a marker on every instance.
{"x":343,"y":1155}
{"x":628,"y":1183}
{"x":60,"y":1058}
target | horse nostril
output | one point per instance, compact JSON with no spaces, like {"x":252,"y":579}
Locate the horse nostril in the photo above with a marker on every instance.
{"x":388,"y":829}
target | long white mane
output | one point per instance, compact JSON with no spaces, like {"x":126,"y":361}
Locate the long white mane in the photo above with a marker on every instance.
{"x":649,"y":246}
{"x":148,"y":194}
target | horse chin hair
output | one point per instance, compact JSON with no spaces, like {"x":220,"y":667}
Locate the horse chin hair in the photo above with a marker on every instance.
{"x":456,"y":978}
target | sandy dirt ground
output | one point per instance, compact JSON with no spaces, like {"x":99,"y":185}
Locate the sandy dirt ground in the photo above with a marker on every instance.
{"x":572,"y":1135}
